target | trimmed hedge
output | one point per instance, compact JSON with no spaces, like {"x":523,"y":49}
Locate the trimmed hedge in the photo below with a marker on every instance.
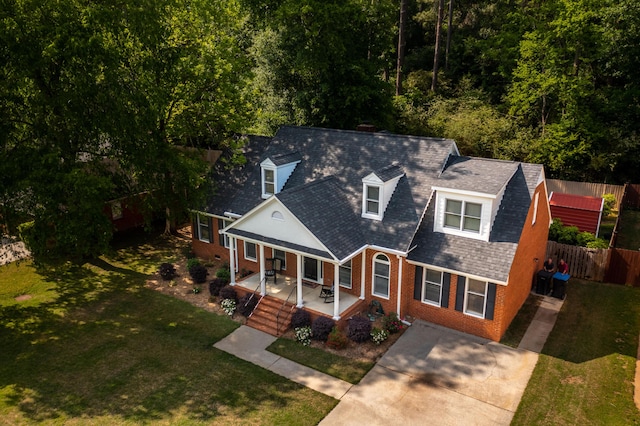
{"x":321,"y":328}
{"x":167,"y":271}
{"x":359,"y":329}
{"x":216,"y":285}
{"x":300,"y":318}
{"x":247,"y":304}
{"x":198,"y":273}
{"x":228,"y":292}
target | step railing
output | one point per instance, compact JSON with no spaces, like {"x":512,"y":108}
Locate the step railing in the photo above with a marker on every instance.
{"x":253,"y":294}
{"x":282,"y":307}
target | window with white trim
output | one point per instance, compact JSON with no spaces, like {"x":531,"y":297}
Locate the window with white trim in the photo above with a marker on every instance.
{"x":381,"y":273}
{"x":432,"y":288}
{"x":250,"y":252}
{"x":475,"y":298}
{"x":372,"y":202}
{"x":224,"y":239}
{"x":268,"y":182}
{"x":279,"y":254}
{"x":462,"y":215}
{"x":204,"y":233}
{"x":345,"y":274}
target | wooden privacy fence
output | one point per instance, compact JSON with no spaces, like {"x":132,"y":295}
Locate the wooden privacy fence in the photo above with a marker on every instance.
{"x":583,"y":262}
{"x":586,"y":188}
{"x":623,"y":267}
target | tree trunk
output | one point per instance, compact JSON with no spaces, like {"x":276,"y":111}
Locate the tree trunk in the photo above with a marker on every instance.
{"x":436,"y":52}
{"x":449,"y":26}
{"x":167,"y":221}
{"x":401,"y":44}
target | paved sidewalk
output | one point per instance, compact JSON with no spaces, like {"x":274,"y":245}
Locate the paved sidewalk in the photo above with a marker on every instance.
{"x":250,"y":344}
{"x":541,"y":325}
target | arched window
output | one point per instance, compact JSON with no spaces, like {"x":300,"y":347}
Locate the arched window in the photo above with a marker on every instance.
{"x":277,"y":215}
{"x":381,"y":273}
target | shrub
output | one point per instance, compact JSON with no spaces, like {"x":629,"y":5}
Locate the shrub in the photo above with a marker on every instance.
{"x":392,"y":323}
{"x":555,"y":229}
{"x":216,"y":285}
{"x":228,"y":306}
{"x":609,"y":204}
{"x":569,"y":235}
{"x":359,"y":329}
{"x":300,"y":318}
{"x":303,"y":335}
{"x":191,"y":262}
{"x":598,"y":243}
{"x":584,"y":238}
{"x":247,"y":304}
{"x":228,"y":292}
{"x":379,"y":335}
{"x":337,"y":339}
{"x":198,"y":273}
{"x":224,"y":273}
{"x":321,"y":328}
{"x":167,"y":271}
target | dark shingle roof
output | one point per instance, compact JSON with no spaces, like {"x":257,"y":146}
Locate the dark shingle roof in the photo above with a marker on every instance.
{"x":477,"y":174}
{"x":389,"y":172}
{"x":492,"y":259}
{"x":285,"y":158}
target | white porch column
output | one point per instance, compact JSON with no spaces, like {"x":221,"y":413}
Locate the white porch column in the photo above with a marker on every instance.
{"x":399,"y":284}
{"x":263,"y":282}
{"x":232,"y":260}
{"x":336,"y":291}
{"x":362,"y":274}
{"x":300,"y":302}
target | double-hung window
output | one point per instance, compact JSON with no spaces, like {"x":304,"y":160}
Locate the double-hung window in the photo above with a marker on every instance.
{"x":268,"y":182}
{"x":250,"y":251}
{"x":475,"y":298}
{"x":224,"y":239}
{"x":463,"y":215}
{"x":381,"y":273}
{"x":279,"y":254}
{"x":345,"y":274}
{"x":372,"y":201}
{"x":204,"y":231}
{"x":432,"y":289}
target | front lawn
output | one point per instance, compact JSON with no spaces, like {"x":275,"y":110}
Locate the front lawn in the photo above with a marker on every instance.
{"x":586,"y":370}
{"x":93,"y":346}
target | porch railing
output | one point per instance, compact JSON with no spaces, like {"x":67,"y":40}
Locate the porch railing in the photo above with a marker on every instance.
{"x":282,"y":307}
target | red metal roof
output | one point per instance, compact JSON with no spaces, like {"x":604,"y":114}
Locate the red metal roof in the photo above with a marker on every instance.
{"x":580,"y":202}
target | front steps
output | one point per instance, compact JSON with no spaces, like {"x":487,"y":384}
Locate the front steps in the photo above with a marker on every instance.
{"x":264,"y":317}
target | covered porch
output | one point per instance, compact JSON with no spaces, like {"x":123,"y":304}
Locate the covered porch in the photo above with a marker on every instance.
{"x":285,"y":288}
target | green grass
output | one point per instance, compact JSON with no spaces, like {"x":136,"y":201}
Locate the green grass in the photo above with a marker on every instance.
{"x":520,"y":323}
{"x":629,"y":232}
{"x":93,"y":346}
{"x":346,"y":369}
{"x":586,"y":370}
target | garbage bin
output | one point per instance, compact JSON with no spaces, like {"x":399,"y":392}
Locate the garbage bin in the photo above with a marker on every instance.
{"x":559,"y":285}
{"x":543,"y":283}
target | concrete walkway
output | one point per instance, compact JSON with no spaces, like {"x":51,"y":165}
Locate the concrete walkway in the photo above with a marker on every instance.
{"x":431,"y":372}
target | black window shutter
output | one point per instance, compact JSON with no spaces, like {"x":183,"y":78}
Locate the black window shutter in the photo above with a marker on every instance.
{"x":417,"y":286}
{"x":211,"y":235}
{"x":446,"y":286}
{"x":220,"y":236}
{"x":460,"y":293}
{"x":491,"y":300}
{"x":195,"y":231}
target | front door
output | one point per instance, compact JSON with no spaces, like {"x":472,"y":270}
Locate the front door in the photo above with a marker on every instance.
{"x":311,"y":269}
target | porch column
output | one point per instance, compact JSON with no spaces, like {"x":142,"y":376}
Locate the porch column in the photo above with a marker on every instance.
{"x":362,"y":274}
{"x":263,"y":282}
{"x":399,"y":284}
{"x":232,"y":260}
{"x":300,"y":302}
{"x":336,"y":291}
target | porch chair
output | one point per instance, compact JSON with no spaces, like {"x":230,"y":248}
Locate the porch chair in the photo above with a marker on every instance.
{"x":326,"y":293}
{"x":276,"y":266}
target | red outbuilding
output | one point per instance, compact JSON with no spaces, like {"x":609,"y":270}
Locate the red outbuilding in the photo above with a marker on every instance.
{"x":577,"y":210}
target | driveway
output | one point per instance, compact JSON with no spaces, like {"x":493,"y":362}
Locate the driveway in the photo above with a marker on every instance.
{"x":433,"y":375}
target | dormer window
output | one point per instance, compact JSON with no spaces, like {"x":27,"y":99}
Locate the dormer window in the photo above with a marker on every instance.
{"x":372,"y":200}
{"x":276,"y":170}
{"x":377,"y":189}
{"x":463,"y":214}
{"x":268,"y":182}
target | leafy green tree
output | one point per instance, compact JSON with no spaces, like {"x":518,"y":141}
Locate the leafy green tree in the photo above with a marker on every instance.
{"x":96,"y":95}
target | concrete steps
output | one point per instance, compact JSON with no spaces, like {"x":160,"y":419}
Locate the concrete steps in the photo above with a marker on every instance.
{"x":264,"y":317}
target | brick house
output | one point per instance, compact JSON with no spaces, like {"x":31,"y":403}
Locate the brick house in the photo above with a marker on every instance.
{"x":406,"y":221}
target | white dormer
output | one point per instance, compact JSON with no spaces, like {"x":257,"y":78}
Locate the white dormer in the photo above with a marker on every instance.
{"x":377,"y":189}
{"x":464,"y":213}
{"x":275,"y":171}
